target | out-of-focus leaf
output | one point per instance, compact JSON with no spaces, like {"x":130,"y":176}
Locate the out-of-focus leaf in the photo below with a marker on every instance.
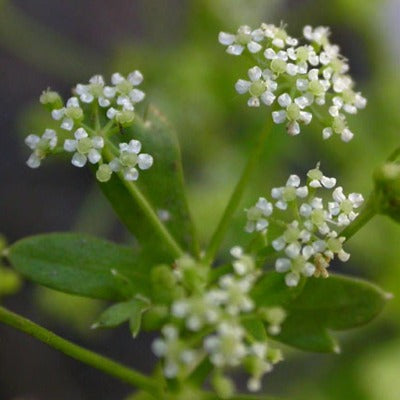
{"x":256,"y":328}
{"x":82,"y":265}
{"x":119,"y":313}
{"x":336,"y":303}
{"x":162,"y":185}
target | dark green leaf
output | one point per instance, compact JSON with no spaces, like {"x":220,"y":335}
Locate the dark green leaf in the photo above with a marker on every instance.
{"x":115,"y":315}
{"x":135,"y":320}
{"x":336,"y":303}
{"x":162,"y":185}
{"x":255,"y":328}
{"x":83,"y":265}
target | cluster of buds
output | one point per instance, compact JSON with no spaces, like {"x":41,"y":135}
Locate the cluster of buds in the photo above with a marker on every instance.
{"x":215,"y":314}
{"x":309,"y":228}
{"x":299,"y":81}
{"x":113,"y":106}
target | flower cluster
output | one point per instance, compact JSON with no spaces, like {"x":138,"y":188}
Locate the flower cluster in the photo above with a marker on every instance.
{"x":216,"y":312}
{"x":111,"y":106}
{"x":297,"y":79}
{"x":308,"y":227}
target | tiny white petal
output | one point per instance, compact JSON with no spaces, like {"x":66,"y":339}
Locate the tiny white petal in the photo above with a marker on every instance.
{"x":94,"y":156}
{"x":145,"y":161}
{"x":80,"y":133}
{"x":33,"y":161}
{"x":284,"y":100}
{"x":282,"y":265}
{"x":254,"y":47}
{"x":135,"y":77}
{"x":279,"y":116}
{"x":242,"y":86}
{"x":31,"y":141}
{"x":67,"y":124}
{"x":136,"y":95}
{"x":70,"y":145}
{"x":131,"y":174}
{"x":235,"y":49}
{"x":226,"y":38}
{"x":78,"y":160}
{"x":292,"y":279}
{"x":255,"y":73}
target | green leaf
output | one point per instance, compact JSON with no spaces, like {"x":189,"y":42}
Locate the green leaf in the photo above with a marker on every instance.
{"x":255,"y":328}
{"x":271,"y":290}
{"x":135,"y":320}
{"x":319,"y":305}
{"x":162,"y":185}
{"x":119,"y":313}
{"x":337,"y":303}
{"x":82,"y":265}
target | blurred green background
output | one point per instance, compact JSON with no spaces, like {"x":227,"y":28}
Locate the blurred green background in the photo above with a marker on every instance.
{"x":190,"y":78}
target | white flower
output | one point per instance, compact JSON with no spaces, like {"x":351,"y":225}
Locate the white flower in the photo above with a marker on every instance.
{"x":319,"y":35}
{"x":244,"y":38}
{"x":343,"y":206}
{"x":84,"y":148}
{"x":278,"y":36}
{"x":301,"y":76}
{"x":94,"y":90}
{"x":41,"y":146}
{"x":129,"y":158}
{"x":292,"y":112}
{"x":261,"y":86}
{"x":226,"y":348}
{"x":307,"y":239}
{"x":257,"y":216}
{"x":318,"y":179}
{"x":69,"y":114}
{"x":289,"y":193}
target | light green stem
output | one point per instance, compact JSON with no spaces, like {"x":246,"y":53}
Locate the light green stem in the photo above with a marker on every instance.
{"x":237,"y":195}
{"x":147,"y":209}
{"x":81,"y":354}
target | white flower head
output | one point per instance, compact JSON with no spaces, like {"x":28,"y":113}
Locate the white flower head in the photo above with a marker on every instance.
{"x":85,"y":148}
{"x":261,"y":86}
{"x":40,"y":146}
{"x":244,"y":38}
{"x":129,"y":159}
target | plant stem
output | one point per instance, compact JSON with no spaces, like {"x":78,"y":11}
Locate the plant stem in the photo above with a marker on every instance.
{"x":147,"y":210}
{"x":394,"y":155}
{"x":367,"y":213}
{"x":236,"y":196}
{"x":81,"y":354}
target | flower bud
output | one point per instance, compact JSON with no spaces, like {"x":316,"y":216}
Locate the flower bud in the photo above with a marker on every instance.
{"x":51,"y":100}
{"x":163,"y":284}
{"x":155,"y":318}
{"x":224,"y":387}
{"x":387,"y":189}
{"x":9,"y":282}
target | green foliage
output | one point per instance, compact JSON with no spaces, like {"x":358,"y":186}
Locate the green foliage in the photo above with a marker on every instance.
{"x":163,"y":189}
{"x":119,"y":313}
{"x":338,"y":303}
{"x":82,"y":265}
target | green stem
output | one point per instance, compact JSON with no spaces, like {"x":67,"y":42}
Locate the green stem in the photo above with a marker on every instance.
{"x":237,"y":194}
{"x":395,"y":155}
{"x":367,"y":213}
{"x":81,"y":354}
{"x":147,"y":209}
